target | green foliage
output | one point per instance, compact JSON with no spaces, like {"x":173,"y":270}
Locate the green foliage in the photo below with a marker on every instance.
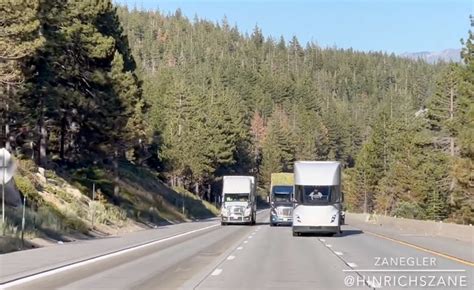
{"x":19,"y":40}
{"x":25,"y":186}
{"x":409,"y":210}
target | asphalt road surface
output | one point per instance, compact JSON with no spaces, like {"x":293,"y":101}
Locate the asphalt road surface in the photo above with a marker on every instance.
{"x":206,"y":255}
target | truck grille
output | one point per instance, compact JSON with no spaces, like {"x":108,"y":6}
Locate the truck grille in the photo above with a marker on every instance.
{"x":284,"y":211}
{"x":237,"y":210}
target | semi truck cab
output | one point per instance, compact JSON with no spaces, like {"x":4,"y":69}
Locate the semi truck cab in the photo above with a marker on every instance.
{"x":238,"y":200}
{"x":281,"y":195}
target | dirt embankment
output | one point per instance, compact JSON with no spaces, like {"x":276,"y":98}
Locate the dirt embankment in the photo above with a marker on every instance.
{"x":60,"y":207}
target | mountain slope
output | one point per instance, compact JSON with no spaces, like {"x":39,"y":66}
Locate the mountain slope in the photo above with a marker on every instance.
{"x":447,"y":55}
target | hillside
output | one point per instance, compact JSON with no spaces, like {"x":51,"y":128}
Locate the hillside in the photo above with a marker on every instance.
{"x":61,"y":209}
{"x":256,"y":104}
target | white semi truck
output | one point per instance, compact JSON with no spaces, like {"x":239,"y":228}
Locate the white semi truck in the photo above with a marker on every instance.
{"x":318,"y":197}
{"x":238,"y":200}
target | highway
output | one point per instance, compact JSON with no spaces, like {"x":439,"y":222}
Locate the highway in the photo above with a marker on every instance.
{"x":206,"y":255}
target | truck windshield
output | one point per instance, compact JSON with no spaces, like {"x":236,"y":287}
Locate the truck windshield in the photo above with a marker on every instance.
{"x":282,"y":193}
{"x":310,"y":194}
{"x":236,"y":197}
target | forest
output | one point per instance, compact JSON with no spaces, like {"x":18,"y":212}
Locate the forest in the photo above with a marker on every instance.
{"x":89,"y":83}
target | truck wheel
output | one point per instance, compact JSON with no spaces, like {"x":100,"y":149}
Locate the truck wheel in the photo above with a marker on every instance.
{"x":272,"y":224}
{"x":295,"y":234}
{"x":223,"y":224}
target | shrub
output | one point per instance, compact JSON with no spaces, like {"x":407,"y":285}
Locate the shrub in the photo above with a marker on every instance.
{"x":409,"y":210}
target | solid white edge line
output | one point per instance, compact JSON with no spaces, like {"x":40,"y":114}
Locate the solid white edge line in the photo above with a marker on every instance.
{"x":60,"y":269}
{"x":216,"y":272}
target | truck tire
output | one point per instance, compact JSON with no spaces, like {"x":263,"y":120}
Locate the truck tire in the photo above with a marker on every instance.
{"x":223,"y":224}
{"x":295,"y":234}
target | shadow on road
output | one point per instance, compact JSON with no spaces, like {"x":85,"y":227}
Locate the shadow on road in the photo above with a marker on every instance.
{"x":344,"y":233}
{"x":262,"y":223}
{"x":351,"y":232}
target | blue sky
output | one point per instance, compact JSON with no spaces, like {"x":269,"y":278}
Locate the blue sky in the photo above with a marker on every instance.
{"x":369,"y":25}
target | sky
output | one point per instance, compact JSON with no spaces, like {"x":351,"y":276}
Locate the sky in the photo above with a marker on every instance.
{"x":367,"y":25}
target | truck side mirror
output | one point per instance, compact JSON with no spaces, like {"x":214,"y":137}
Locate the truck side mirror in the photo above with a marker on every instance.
{"x":342,"y":196}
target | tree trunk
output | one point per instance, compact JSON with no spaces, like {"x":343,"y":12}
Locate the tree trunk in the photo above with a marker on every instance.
{"x":451,"y":117}
{"x":7,"y":132}
{"x":116,"y":176}
{"x":63,"y":137}
{"x":196,"y":189}
{"x":43,"y":143}
{"x":7,"y":121}
{"x":365,"y":194}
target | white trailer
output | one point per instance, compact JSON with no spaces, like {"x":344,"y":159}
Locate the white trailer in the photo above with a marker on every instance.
{"x":318,"y":197}
{"x":238,"y":200}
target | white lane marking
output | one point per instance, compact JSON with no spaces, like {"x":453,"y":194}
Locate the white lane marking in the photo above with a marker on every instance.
{"x":216,"y":272}
{"x":230,"y":257}
{"x":373,"y":284}
{"x":246,"y":242}
{"x":240,"y":248}
{"x":406,"y":270}
{"x":328,"y":245}
{"x":338,"y":253}
{"x":250,"y":237}
{"x":46,"y":273}
{"x":352,"y":265}
{"x":322,"y":240}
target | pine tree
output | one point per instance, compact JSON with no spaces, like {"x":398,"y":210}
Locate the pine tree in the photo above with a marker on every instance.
{"x":19,"y":40}
{"x":443,"y":109}
{"x":463,"y":193}
{"x":19,"y":43}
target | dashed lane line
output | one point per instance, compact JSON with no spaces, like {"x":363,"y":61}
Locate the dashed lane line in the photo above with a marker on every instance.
{"x":216,"y":272}
{"x":352,"y":265}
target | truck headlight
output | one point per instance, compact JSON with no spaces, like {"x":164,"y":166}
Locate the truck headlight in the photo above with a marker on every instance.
{"x":248,"y":210}
{"x":224,"y":212}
